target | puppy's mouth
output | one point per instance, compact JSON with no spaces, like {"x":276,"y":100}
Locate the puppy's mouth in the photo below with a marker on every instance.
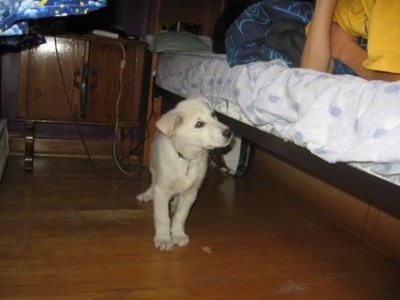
{"x":222,"y":145}
{"x":223,"y":139}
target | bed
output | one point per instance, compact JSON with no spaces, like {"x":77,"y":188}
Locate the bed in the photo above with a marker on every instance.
{"x":341,"y":128}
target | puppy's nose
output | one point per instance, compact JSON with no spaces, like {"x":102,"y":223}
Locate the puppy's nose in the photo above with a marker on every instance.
{"x":227,"y":133}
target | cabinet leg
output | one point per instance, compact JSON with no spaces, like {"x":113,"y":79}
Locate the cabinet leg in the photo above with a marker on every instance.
{"x":29,"y":145}
{"x":124,"y":144}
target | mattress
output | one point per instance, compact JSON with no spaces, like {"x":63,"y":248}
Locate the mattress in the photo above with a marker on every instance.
{"x":339,"y":118}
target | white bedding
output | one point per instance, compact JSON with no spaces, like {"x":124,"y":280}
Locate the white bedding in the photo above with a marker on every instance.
{"x":340,"y":118}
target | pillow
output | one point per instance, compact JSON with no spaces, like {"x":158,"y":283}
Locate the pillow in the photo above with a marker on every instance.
{"x":176,"y":41}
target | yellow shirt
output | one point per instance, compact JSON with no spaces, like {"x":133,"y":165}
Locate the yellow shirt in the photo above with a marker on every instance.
{"x":379,"y":22}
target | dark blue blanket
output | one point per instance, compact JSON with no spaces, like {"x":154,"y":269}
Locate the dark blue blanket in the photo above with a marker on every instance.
{"x":272,"y":29}
{"x":247,"y":39}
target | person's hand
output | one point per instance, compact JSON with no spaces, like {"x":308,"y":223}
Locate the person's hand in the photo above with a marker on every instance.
{"x":341,"y":42}
{"x":345,"y":48}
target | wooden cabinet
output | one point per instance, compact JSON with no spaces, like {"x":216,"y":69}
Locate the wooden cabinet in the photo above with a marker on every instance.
{"x":81,"y":79}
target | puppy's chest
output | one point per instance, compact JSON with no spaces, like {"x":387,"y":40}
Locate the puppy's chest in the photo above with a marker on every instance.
{"x":192,"y":169}
{"x":189,"y":173}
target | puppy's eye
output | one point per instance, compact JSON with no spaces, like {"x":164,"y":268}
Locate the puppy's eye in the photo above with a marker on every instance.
{"x":199,"y":124}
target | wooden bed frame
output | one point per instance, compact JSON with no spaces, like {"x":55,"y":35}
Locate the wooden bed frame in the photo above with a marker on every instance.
{"x":373,"y":190}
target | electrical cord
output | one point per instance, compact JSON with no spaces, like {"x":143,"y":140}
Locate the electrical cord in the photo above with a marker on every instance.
{"x":116,"y":135}
{"x":116,"y":127}
{"x":122,"y":67}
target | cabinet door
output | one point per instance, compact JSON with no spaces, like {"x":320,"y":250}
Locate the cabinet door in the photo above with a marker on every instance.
{"x":50,"y":80}
{"x":113,"y":84}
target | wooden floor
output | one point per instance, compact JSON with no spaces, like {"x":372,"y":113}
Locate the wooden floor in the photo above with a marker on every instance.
{"x":67,"y":232}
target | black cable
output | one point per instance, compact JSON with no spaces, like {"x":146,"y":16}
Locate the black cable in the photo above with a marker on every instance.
{"x":146,"y":131}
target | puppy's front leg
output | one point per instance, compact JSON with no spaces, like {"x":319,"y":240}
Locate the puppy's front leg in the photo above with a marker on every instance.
{"x":147,"y":195}
{"x":186,"y":200}
{"x":162,"y":239}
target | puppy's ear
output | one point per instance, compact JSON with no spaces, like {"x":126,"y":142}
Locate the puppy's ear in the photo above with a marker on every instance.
{"x":207,"y":102}
{"x":168,"y":123}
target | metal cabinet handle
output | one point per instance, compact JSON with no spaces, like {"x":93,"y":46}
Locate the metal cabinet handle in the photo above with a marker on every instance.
{"x":77,"y":75}
{"x":94,"y":79}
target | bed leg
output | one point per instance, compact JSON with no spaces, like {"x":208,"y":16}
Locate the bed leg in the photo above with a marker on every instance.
{"x":153,"y":114}
{"x":124,"y":144}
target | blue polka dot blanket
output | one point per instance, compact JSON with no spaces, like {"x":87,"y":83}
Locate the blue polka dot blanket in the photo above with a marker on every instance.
{"x":340,"y":118}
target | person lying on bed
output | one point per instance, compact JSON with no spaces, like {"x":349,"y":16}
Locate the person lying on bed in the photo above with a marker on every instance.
{"x":275,"y":29}
{"x":335,"y":28}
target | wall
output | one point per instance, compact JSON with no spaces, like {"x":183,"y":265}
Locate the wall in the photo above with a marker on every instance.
{"x":372,"y":225}
{"x":133,"y":16}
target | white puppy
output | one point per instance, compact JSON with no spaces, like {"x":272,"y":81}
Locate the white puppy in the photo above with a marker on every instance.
{"x":179,"y":158}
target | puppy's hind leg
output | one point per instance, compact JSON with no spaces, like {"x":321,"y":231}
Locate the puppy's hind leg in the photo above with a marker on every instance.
{"x":186,"y":200}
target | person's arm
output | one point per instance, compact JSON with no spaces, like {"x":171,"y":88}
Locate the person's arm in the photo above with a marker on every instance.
{"x":346,"y":49}
{"x":316,"y":53}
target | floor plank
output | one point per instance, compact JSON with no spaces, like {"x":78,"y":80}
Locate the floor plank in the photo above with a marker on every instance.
{"x":67,"y":232}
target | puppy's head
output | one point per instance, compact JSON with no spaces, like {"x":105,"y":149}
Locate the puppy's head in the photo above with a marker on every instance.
{"x":193,"y":123}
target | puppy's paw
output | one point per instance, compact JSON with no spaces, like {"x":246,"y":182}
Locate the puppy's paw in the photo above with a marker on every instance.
{"x":180,"y":239}
{"x":163,"y":243}
{"x":144,"y":197}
